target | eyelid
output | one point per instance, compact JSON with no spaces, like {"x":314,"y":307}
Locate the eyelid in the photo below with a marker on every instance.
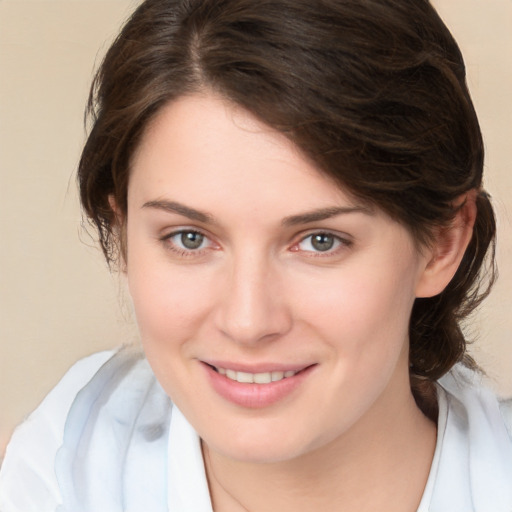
{"x":166,"y":240}
{"x":344,"y":239}
{"x":180,"y":230}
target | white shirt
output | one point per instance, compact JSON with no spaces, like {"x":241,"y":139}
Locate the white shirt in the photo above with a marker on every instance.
{"x":108,"y":439}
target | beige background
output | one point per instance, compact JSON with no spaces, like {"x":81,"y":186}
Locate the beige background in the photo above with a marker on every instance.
{"x":57,"y":299}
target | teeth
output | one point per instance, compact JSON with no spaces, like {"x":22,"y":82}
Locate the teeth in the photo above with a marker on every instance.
{"x":245,"y":377}
{"x":277,"y":376}
{"x":256,"y":378}
{"x":262,"y":378}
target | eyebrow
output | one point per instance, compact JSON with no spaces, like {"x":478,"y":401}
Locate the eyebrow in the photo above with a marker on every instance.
{"x":293,"y":220}
{"x":181,"y":209}
{"x":324,"y":213}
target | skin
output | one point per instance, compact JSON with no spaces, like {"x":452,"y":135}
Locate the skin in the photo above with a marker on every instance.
{"x":257,"y":291}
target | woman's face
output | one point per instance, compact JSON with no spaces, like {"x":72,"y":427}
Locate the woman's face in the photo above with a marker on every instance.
{"x":273,"y":308}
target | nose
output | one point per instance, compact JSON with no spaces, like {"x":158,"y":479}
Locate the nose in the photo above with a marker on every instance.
{"x":252,"y":307}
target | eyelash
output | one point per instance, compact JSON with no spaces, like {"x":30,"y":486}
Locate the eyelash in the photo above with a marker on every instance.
{"x":340,"y":244}
{"x":185,"y":252}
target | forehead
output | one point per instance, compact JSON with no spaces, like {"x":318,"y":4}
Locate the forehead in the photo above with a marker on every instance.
{"x":205,"y":146}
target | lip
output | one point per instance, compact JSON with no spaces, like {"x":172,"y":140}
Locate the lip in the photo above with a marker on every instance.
{"x":256,"y":368}
{"x":255,"y":396}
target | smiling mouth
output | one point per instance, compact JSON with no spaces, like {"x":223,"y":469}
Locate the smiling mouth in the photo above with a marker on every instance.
{"x":255,"y":378}
{"x":256,"y":389}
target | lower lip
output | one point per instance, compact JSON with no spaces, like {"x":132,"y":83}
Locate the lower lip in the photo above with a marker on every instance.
{"x":255,"y":396}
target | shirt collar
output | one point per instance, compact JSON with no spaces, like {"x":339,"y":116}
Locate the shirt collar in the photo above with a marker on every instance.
{"x":187,"y":484}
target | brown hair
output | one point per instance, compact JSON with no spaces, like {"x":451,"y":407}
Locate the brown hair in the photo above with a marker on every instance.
{"x":373,"y":91}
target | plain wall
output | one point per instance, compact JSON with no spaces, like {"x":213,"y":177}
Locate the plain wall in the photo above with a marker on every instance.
{"x":58,"y":301}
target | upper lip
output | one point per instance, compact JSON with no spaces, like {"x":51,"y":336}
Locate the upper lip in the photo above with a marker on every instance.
{"x":257,"y":367}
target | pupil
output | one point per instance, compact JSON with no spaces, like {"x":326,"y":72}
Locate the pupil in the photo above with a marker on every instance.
{"x":192,"y":240}
{"x":322,"y":242}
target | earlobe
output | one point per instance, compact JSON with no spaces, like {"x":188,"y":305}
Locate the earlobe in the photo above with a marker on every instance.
{"x":448,"y":248}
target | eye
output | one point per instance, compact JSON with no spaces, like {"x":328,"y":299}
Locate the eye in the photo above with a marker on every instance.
{"x":187,"y":241}
{"x":321,"y":243}
{"x":190,"y":239}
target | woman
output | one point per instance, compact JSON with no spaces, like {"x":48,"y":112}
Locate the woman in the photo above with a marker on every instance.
{"x":294,"y":192}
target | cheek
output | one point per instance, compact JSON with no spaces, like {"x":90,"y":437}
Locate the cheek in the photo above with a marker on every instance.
{"x":168,"y":302}
{"x":363,"y":304}
{"x":170,"y":311}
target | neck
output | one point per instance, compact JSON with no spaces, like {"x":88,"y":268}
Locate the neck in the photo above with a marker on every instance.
{"x":381,"y":463}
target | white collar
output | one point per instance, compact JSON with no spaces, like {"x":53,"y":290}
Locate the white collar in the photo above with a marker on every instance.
{"x":187,"y":484}
{"x":472,"y":469}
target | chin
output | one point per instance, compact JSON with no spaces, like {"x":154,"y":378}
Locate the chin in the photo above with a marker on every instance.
{"x":263,"y":445}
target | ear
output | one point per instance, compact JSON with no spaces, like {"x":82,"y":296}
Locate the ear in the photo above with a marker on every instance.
{"x":446,"y":252}
{"x":115,"y":208}
{"x":119,"y":231}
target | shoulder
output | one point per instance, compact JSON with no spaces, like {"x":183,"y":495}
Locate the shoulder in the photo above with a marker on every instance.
{"x":30,"y":455}
{"x":469,"y":397}
{"x":116,"y":433}
{"x":474,"y":452}
{"x":97,"y":442}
